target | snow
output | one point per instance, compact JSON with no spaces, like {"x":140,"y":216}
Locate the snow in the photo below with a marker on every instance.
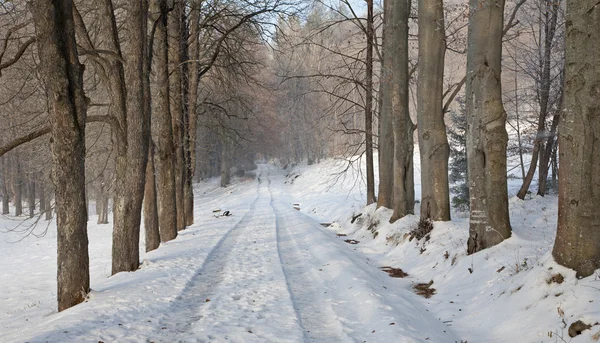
{"x":270,"y":273}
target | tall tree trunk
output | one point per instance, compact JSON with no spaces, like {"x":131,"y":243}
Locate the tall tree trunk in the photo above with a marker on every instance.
{"x":369,"y":106}
{"x":63,"y":76}
{"x":386,"y":134}
{"x":433,"y":142}
{"x":190,"y":84}
{"x":165,"y":174}
{"x":543,"y":96}
{"x":404,"y":191}
{"x":131,"y":160}
{"x":486,"y":134}
{"x":577,"y":243}
{"x":151,"y":226}
{"x":150,"y":209}
{"x":176,"y":105}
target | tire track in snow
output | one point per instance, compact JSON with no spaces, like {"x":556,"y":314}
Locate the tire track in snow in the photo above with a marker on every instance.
{"x":340,"y":296}
{"x":239,"y":294}
{"x":191,"y":294}
{"x":317,"y":318}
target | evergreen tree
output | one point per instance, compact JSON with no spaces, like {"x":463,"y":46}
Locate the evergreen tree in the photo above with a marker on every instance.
{"x":458,"y":154}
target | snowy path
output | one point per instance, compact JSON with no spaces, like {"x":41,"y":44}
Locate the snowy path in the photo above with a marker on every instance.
{"x":277,"y":276}
{"x":240,"y":294}
{"x":267,"y":274}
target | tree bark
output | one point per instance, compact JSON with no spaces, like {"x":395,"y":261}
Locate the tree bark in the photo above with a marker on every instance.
{"x":131,"y":159}
{"x":150,"y":209}
{"x":102,"y":201}
{"x":433,"y":142}
{"x":31,"y":198}
{"x":63,"y":76}
{"x":165,"y":177}
{"x":386,"y":134}
{"x":486,"y":135}
{"x":369,"y":106}
{"x":18,"y":187}
{"x":48,"y":208}
{"x":225,"y":156}
{"x":192,"y":123}
{"x":577,"y":243}
{"x":42,"y":194}
{"x":176,"y":105}
{"x":5,"y":193}
{"x":404,"y":193}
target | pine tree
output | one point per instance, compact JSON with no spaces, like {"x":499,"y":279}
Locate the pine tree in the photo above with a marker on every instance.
{"x":458,"y":154}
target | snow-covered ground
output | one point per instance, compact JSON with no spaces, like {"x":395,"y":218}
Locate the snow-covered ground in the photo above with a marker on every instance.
{"x":270,"y":273}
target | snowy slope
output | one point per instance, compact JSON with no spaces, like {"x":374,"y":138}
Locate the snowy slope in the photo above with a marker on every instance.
{"x":508,"y":293}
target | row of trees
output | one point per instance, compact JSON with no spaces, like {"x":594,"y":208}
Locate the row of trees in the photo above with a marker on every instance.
{"x":410,"y":86}
{"x":577,"y":244}
{"x":121,"y":88}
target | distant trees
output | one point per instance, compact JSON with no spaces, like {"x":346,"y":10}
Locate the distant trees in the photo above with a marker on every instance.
{"x":543,"y":63}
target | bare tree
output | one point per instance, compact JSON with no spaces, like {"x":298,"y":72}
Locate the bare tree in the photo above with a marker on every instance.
{"x":63,"y":75}
{"x":544,"y":78}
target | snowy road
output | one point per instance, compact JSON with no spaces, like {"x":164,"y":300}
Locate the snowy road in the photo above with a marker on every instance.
{"x":277,"y":276}
{"x":273,"y":275}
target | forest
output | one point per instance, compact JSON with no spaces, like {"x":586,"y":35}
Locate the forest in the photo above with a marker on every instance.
{"x":167,"y":138}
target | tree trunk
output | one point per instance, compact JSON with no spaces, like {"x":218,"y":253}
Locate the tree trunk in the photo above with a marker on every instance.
{"x":190,"y":113}
{"x":433,"y":142}
{"x":48,"y":208}
{"x":5,"y":193}
{"x":150,"y":210}
{"x":386,"y":134}
{"x":369,"y":107}
{"x":31,"y":200}
{"x":63,"y":76}
{"x":165,"y":177}
{"x":42,"y":195}
{"x":102,"y":202}
{"x":404,"y":192}
{"x":486,"y":135}
{"x":176,"y":105}
{"x":18,"y":187}
{"x":577,"y":243}
{"x":225,"y":155}
{"x":131,"y":158}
